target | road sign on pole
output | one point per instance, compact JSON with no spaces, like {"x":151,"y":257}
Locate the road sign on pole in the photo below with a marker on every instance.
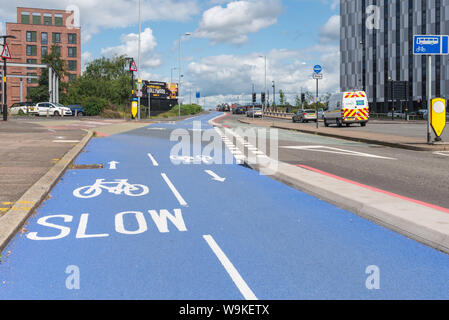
{"x":438,"y":116}
{"x":6,"y":54}
{"x":318,"y":76}
{"x":430,"y":45}
{"x":317,"y":69}
{"x":132,"y":66}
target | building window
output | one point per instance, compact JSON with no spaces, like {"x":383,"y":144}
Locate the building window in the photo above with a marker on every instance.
{"x":72,"y":52}
{"x":31,"y":36}
{"x":58,"y":19}
{"x":37,"y":18}
{"x":57,"y":50}
{"x":25,"y":17}
{"x":31,"y":61}
{"x":31,"y":50}
{"x":56,"y":37}
{"x":44,"y":51}
{"x":44,"y":38}
{"x":72,"y":65}
{"x":72,"y":77}
{"x":72,"y":38}
{"x":47,"y":19}
{"x":31,"y":80}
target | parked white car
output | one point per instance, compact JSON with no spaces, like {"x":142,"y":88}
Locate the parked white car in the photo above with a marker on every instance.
{"x":52,"y":109}
{"x":20,"y":108}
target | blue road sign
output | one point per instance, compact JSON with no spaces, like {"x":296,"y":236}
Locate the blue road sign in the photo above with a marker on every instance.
{"x":430,"y":44}
{"x":317,"y":68}
{"x":198,"y":95}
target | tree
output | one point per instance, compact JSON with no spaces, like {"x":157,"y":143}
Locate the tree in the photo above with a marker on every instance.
{"x":297,"y":101}
{"x":40,"y":93}
{"x":281,"y":97}
{"x":105,"y":81}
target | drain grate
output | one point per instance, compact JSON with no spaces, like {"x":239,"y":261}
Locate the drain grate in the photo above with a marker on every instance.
{"x":86,"y":166}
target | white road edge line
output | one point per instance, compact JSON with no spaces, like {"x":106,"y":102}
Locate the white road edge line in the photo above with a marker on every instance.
{"x":178,"y":196}
{"x":230,"y":269}
{"x":66,"y":141}
{"x":153,"y":160}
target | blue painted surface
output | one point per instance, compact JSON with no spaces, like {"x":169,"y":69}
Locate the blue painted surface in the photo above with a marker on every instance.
{"x":285,"y":243}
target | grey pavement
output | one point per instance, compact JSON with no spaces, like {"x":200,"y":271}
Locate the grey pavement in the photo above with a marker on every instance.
{"x":28,"y":151}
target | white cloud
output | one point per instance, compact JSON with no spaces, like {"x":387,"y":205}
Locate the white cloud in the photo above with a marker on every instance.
{"x":97,"y":15}
{"x":330,"y":31}
{"x":228,"y":78}
{"x":233,"y":23}
{"x":129,"y":47}
{"x":86,"y":57}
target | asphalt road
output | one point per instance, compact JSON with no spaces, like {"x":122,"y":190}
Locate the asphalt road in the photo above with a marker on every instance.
{"x":416,"y":129}
{"x":203,"y":231}
{"x":416,"y":174}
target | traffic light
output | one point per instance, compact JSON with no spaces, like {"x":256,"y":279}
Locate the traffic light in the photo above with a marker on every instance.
{"x":263,"y":97}
{"x":303,"y":97}
{"x":254,"y":98}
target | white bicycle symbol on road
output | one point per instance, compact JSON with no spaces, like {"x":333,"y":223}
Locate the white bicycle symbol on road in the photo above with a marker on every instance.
{"x":118,"y":186}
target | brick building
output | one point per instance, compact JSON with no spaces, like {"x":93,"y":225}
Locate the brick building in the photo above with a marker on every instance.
{"x":36,"y":30}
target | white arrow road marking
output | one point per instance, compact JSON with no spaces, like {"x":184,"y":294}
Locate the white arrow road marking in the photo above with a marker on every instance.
{"x":178,"y":196}
{"x":113,"y":165}
{"x":153,"y":160}
{"x":442,"y":153}
{"x":337,"y":151}
{"x":230,"y":269}
{"x":215,"y":176}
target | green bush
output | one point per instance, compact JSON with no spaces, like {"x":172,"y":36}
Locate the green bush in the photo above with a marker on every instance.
{"x":93,"y":106}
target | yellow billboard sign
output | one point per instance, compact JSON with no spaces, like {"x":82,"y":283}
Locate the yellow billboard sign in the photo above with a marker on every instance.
{"x":438,"y":116}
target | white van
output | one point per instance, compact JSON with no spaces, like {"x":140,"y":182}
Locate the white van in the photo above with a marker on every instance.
{"x":346,"y":108}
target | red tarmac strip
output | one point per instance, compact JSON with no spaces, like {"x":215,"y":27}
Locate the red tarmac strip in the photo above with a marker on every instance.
{"x":375,"y":189}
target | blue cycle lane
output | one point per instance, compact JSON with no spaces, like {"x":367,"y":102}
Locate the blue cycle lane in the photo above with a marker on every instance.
{"x":178,"y":233}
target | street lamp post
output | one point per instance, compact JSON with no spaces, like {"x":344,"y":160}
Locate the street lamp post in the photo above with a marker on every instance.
{"x":5,"y":101}
{"x":274,"y":95}
{"x":265,"y":90}
{"x":171,"y":74}
{"x":179,"y":69}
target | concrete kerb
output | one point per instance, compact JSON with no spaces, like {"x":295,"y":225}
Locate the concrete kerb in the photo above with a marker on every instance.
{"x":13,"y":221}
{"x":424,"y":224}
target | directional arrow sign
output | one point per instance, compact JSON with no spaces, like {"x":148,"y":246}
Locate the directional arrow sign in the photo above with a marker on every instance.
{"x":113,"y":165}
{"x":215,"y":176}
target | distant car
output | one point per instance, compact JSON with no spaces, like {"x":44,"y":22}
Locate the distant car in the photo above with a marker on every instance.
{"x":397,"y":114}
{"x":305,"y":115}
{"x":254,"y":112}
{"x":22,"y":108}
{"x":77,"y":110}
{"x":239,"y":110}
{"x":52,"y":109}
{"x":320,"y":113}
{"x":422,"y":113}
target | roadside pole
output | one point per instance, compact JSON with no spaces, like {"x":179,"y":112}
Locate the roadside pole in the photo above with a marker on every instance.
{"x":430,"y":45}
{"x":429,"y":97}
{"x":317,"y":99}
{"x":317,"y":75}
{"x":6,"y":54}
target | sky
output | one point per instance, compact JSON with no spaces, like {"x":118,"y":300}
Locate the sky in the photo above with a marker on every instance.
{"x":224,"y":55}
